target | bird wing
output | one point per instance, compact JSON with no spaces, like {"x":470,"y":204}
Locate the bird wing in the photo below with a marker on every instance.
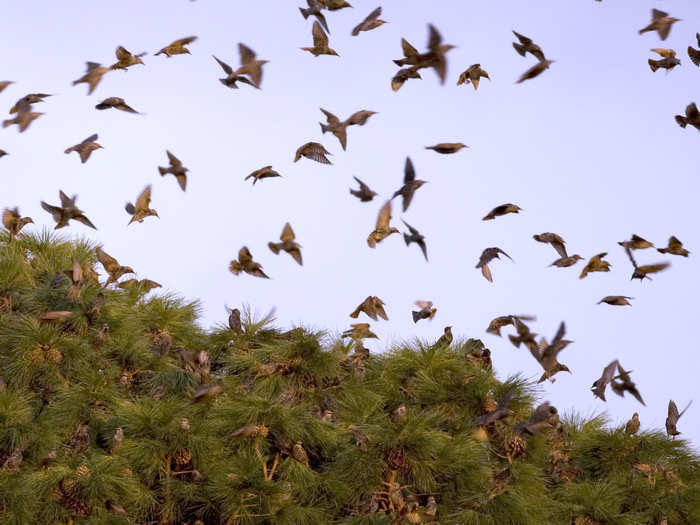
{"x":143,"y":199}
{"x":373,"y":15}
{"x":409,"y":171}
{"x":363,"y":186}
{"x":504,"y":253}
{"x":247,"y":54}
{"x":666,"y":53}
{"x":287,"y":233}
{"x":673,"y":414}
{"x":66,"y":202}
{"x":244,"y":255}
{"x":424,"y":305}
{"x":656,"y":14}
{"x":359,"y":117}
{"x":486,"y":272}
{"x":320,"y":37}
{"x":121,"y":53}
{"x":631,"y":257}
{"x":106,"y":260}
{"x":408,"y":49}
{"x":384,"y":216}
{"x":184,"y":41}
{"x":560,"y":334}
{"x":227,"y":69}
{"x":316,"y":152}
{"x":91,"y":138}
{"x":523,"y":39}
{"x":330,"y":117}
{"x":691,"y":111}
{"x":182,"y":181}
{"x":174,"y":161}
{"x":434,"y":38}
{"x":410,"y":228}
{"x":83,"y":219}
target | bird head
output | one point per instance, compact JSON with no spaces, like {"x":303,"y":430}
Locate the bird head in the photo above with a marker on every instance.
{"x":563,"y":368}
{"x":138,"y":60}
{"x":127,"y":269}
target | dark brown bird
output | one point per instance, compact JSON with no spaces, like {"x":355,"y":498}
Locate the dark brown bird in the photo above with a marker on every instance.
{"x":502,"y":210}
{"x":92,"y":76}
{"x":288,"y":244}
{"x":334,"y":5}
{"x":427,"y":311}
{"x":636,"y":243}
{"x":673,"y":417}
{"x":234,"y":320}
{"x":535,"y":70}
{"x":116,"y":103}
{"x":250,"y":65}
{"x":447,"y":147}
{"x":263,"y":173}
{"x":616,"y":300}
{"x":555,"y":240}
{"x":339,"y":129}
{"x":320,"y":42}
{"x":126,"y":59}
{"x":140,"y":210}
{"x":661,"y":23}
{"x":675,"y":247}
{"x":359,"y":331}
{"x":365,"y":194}
{"x":641,"y":272}
{"x":526,"y":45}
{"x":373,"y":306}
{"x":85,"y":148}
{"x":25,"y":103}
{"x":543,"y":417}
{"x":486,"y":257}
{"x":176,"y":168}
{"x":599,"y":385}
{"x":692,"y":117}
{"x":177,"y":47}
{"x":471,"y":75}
{"x":445,"y":339}
{"x":4,"y":84}
{"x":501,"y":412}
{"x":632,"y":426}
{"x":246,"y":264}
{"x":23,"y":120}
{"x":623,"y":383}
{"x":382,"y":228}
{"x":504,"y":320}
{"x":565,"y":262}
{"x":415,"y":237}
{"x":668,"y":62}
{"x":403,"y":75}
{"x":231,"y":76}
{"x":546,"y":354}
{"x":434,"y":57}
{"x":410,"y":184}
{"x":372,"y":21}
{"x":313,"y":151}
{"x":67,"y":211}
{"x":111,"y":266}
{"x":595,"y":264}
{"x":3,"y":153}
{"x":693,"y":53}
{"x":315,"y":10}
{"x":13,"y":221}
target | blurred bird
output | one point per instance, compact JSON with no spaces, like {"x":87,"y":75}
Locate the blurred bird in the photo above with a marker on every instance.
{"x":372,"y":21}
{"x":445,"y":339}
{"x":313,"y":151}
{"x":447,"y":147}
{"x":675,"y":247}
{"x":231,"y":76}
{"x":126,"y":59}
{"x":382,"y":228}
{"x":504,"y":320}
{"x":13,"y":221}
{"x":177,"y":47}
{"x":334,"y":5}
{"x":661,"y":23}
{"x":250,"y":431}
{"x":632,"y":426}
{"x":636,"y":243}
{"x":434,"y":57}
{"x":320,"y":42}
{"x":23,"y":120}
{"x":623,"y":383}
{"x":140,"y":210}
{"x":85,"y":148}
{"x":402,"y":76}
{"x":554,"y":240}
{"x":246,"y":264}
{"x":92,"y":76}
{"x":115,"y":507}
{"x":673,"y":417}
{"x":616,"y":300}
{"x":535,"y":70}
{"x":595,"y":264}
{"x":116,"y":103}
{"x":373,"y":306}
{"x":542,"y":418}
{"x":565,"y":262}
{"x":234,"y":320}
{"x":359,"y":118}
{"x":502,"y":210}
{"x":67,"y":211}
{"x":415,"y":237}
{"x":206,"y":392}
{"x":4,"y":84}
{"x":339,"y":129}
{"x":288,"y":245}
{"x":546,"y":354}
{"x":526,"y":45}
{"x":315,"y":10}
{"x":25,"y":103}
{"x":3,"y":153}
{"x":263,"y":173}
{"x":176,"y":168}
{"x":427,"y":311}
{"x":668,"y":62}
{"x":250,"y":65}
{"x":365,"y":194}
{"x":599,"y":385}
{"x":143,"y":285}
{"x":472,"y":75}
{"x":693,"y":53}
{"x":111,"y":266}
{"x":486,"y":257}
{"x":641,"y":272}
{"x":692,"y":117}
{"x":502,"y":411}
{"x":410,"y":185}
{"x":359,"y":331}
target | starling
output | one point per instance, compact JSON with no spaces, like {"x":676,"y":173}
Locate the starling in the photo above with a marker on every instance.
{"x":334,"y":5}
{"x":382,"y":228}
{"x":92,"y":76}
{"x":668,"y":62}
{"x":641,"y":272}
{"x":315,"y":10}
{"x":616,"y":300}
{"x":535,"y":70}
{"x":472,"y":75}
{"x":116,"y":103}
{"x":359,"y":118}
{"x":3,"y":153}
{"x":300,"y":454}
{"x":85,"y":148}
{"x":250,"y":65}
{"x":623,"y":383}
{"x":231,"y":76}
{"x":4,"y":84}
{"x":693,"y":53}
{"x":526,"y":45}
{"x":599,"y":385}
{"x":445,"y":339}
{"x":13,"y":221}
{"x":502,"y":210}
{"x":410,"y":184}
{"x":364,"y":193}
{"x":141,"y":209}
{"x":542,"y":418}
{"x":673,"y":417}
{"x":486,"y":257}
{"x":415,"y":237}
{"x":502,"y":411}
{"x":595,"y":264}
{"x":313,"y":151}
{"x":398,"y":415}
{"x":177,"y":169}
{"x":504,"y":320}
{"x":565,"y":262}
{"x":206,"y":392}
{"x":60,"y":315}
{"x":546,"y":354}
{"x":320,"y":42}
{"x":636,"y":243}
{"x":692,"y":117}
{"x":434,"y":57}
{"x":143,"y":285}
{"x":402,"y":76}
{"x":246,"y":264}
{"x":177,"y":47}
{"x":372,"y":21}
{"x":447,"y":147}
{"x":125,"y":59}
{"x":116,"y":440}
{"x":263,"y":173}
{"x":250,"y":431}
{"x":339,"y":129}
{"x":25,"y":103}
{"x":555,"y":240}
{"x":373,"y":306}
{"x":115,"y":507}
{"x":288,"y":245}
{"x":675,"y":247}
{"x":234,"y":320}
{"x":23,"y":120}
{"x":661,"y":23}
{"x":632,"y":426}
{"x":359,"y":331}
{"x":427,"y":311}
{"x":67,"y":211}
{"x":111,"y":266}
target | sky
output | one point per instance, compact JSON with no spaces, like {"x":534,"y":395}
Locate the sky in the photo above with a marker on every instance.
{"x":589,"y":150}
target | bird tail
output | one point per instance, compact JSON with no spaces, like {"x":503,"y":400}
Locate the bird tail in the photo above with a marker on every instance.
{"x":274,"y":247}
{"x":653,"y":65}
{"x":407,"y":239}
{"x":324,"y":128}
{"x":6,"y":123}
{"x":162,"y":171}
{"x":304,"y":12}
{"x":101,"y":106}
{"x":682,"y":121}
{"x":520,"y":48}
{"x":400,"y":62}
{"x":416,"y":316}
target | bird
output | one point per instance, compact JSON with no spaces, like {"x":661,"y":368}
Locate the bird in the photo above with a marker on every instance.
{"x":140,"y":210}
{"x":675,"y":247}
{"x":599,"y":385}
{"x":668,"y":62}
{"x":359,"y":118}
{"x":595,"y":264}
{"x":176,"y":168}
{"x":661,"y":22}
{"x":398,"y":415}
{"x":4,"y":84}
{"x":472,"y":75}
{"x":623,"y":383}
{"x":13,"y":221}
{"x":250,"y":65}
{"x":365,"y":194}
{"x":427,"y":311}
{"x":234,"y":320}
{"x":410,"y":185}
{"x":299,"y":454}
{"x":23,"y":120}
{"x":371,"y":21}
{"x":116,"y":441}
{"x":25,"y":103}
{"x":502,"y":210}
{"x":504,"y":320}
{"x":359,"y":331}
{"x":116,"y":103}
{"x":334,"y":5}
{"x":636,"y":243}
{"x":67,"y":211}
{"x":535,"y":71}
{"x":486,"y":257}
{"x":673,"y":417}
{"x":288,"y":244}
{"x":177,"y":47}
{"x":315,"y":10}
{"x":373,"y":306}
{"x":402,"y":76}
{"x":339,"y":129}
{"x":143,"y":285}
{"x":245,"y":263}
{"x":692,"y":117}
{"x":546,"y":354}
{"x":231,"y":76}
{"x":126,"y":59}
{"x":445,"y":339}
{"x":415,"y":237}
{"x":3,"y":153}
{"x":265,"y":172}
{"x":112,"y":266}
{"x":250,"y":431}
{"x":525,"y":335}
{"x":382,"y":228}
{"x":320,"y":42}
{"x":502,"y":411}
{"x":92,"y":76}
{"x":434,"y":57}
{"x":632,"y":426}
{"x":540,"y":419}
{"x":85,"y":148}
{"x":554,"y":240}
{"x":313,"y":151}
{"x":447,"y":147}
{"x":641,"y":272}
{"x":565,"y":262}
{"x":693,"y":53}
{"x":526,"y":45}
{"x":616,"y":300}
{"x":206,"y":392}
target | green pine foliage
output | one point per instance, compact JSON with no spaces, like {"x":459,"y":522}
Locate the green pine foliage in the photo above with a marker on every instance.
{"x":121,"y":410}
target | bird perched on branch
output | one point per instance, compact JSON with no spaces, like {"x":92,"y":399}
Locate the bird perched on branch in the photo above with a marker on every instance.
{"x":67,"y":211}
{"x":140,"y":210}
{"x":177,"y":47}
{"x":487,"y":256}
{"x":288,"y":244}
{"x":434,"y":57}
{"x":13,"y":221}
{"x":445,"y":339}
{"x":176,"y":168}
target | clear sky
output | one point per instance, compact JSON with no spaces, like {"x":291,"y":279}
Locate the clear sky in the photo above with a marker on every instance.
{"x":589,"y":150}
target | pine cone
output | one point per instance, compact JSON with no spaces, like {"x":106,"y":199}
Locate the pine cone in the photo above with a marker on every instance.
{"x":490,"y":404}
{"x":182,"y":457}
{"x":5,"y":304}
{"x":516,"y":447}
{"x":395,"y":459}
{"x":82,"y":472}
{"x":585,"y":520}
{"x":36,"y":355}
{"x":54,"y":355}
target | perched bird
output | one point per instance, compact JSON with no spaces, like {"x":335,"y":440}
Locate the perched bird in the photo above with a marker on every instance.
{"x":486,"y":257}
{"x":595,"y":264}
{"x":177,"y":169}
{"x":427,"y":311}
{"x":692,"y":117}
{"x":565,"y":262}
{"x":263,"y":173}
{"x":398,"y":415}
{"x":504,"y":320}
{"x":447,"y":147}
{"x":92,"y":76}
{"x":126,"y":59}
{"x":111,"y":266}
{"x":402,"y":76}
{"x":668,"y":62}
{"x":67,"y":211}
{"x":623,"y":383}
{"x":445,"y":339}
{"x":25,"y":103}
{"x":693,"y":53}
{"x":636,"y":243}
{"x":675,"y":247}
{"x":313,"y":151}
{"x":246,"y":264}
{"x":661,"y":23}
{"x":372,"y":21}
{"x":4,"y":84}
{"x":535,"y":70}
{"x":365,"y":194}
{"x":234,"y":320}
{"x":616,"y":300}
{"x":339,"y":129}
{"x":288,"y":244}
{"x":177,"y":47}
{"x":434,"y":57}
{"x":382,"y":228}
{"x":359,"y":331}
{"x":472,"y":75}
{"x":373,"y":306}
{"x":415,"y":237}
{"x":116,"y":103}
{"x":526,"y":45}
{"x":320,"y":42}
{"x":555,"y":240}
{"x":85,"y":148}
{"x":315,"y":10}
{"x":140,"y":210}
{"x":632,"y":426}
{"x":546,"y":354}
{"x":599,"y":385}
{"x":673,"y":417}
{"x":502,"y":411}
{"x":116,"y":441}
{"x":23,"y":120}
{"x":410,"y":185}
{"x":13,"y":221}
{"x":543,"y":417}
{"x":299,"y":454}
{"x":502,"y":210}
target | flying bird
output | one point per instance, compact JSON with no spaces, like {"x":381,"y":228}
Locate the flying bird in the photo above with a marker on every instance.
{"x":334,"y":5}
{"x":231,"y":76}
{"x":320,"y":42}
{"x":143,"y":285}
{"x":4,"y":84}
{"x":554,"y":240}
{"x":382,"y":228}
{"x":673,"y":417}
{"x":599,"y":385}
{"x":502,"y":210}
{"x":415,"y":237}
{"x":265,"y":172}
{"x":636,"y":243}
{"x":315,"y":10}
{"x":504,"y":320}
{"x":365,"y":194}
{"x":616,"y":300}
{"x":112,"y":266}
{"x":85,"y":148}
{"x":502,"y":411}
{"x":25,"y":103}
{"x":359,"y":331}
{"x":447,"y":147}
{"x":543,"y":417}
{"x":434,"y":57}
{"x":535,"y":70}
{"x":693,"y":53}
{"x":373,"y":306}
{"x":402,"y":76}
{"x":427,"y":311}
{"x":661,"y":23}
{"x":140,"y":210}
{"x":13,"y":221}
{"x":339,"y":129}
{"x":92,"y":76}
{"x":176,"y":168}
{"x":177,"y":47}
{"x":67,"y":211}
{"x":245,"y":263}
{"x":472,"y":75}
{"x":410,"y":184}
{"x":641,"y":272}
{"x":623,"y":383}
{"x":675,"y":247}
{"x":372,"y":21}
{"x":313,"y":151}
{"x":23,"y":120}
{"x":565,"y":262}
{"x":486,"y":257}
{"x":595,"y":264}
{"x":692,"y":117}
{"x":526,"y":45}
{"x":126,"y":59}
{"x":116,"y":103}
{"x":546,"y":354}
{"x":668,"y":62}
{"x":250,"y":65}
{"x":288,"y":244}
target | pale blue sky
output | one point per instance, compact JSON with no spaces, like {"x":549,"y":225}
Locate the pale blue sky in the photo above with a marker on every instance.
{"x":589,"y":150}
